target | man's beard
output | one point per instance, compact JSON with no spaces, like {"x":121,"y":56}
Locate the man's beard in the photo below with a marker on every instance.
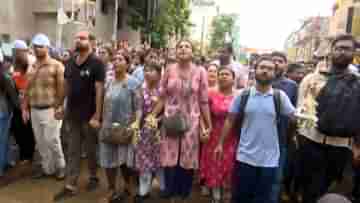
{"x":40,"y":56}
{"x":262,"y":81}
{"x":80,"y":48}
{"x":341,"y":62}
{"x":279,"y":72}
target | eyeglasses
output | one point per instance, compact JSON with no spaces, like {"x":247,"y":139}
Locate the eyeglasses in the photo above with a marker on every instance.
{"x":344,"y":49}
{"x":269,"y":68}
{"x":278,"y":61}
{"x":38,"y":46}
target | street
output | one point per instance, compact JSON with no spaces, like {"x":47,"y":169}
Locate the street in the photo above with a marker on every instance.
{"x":18,"y":187}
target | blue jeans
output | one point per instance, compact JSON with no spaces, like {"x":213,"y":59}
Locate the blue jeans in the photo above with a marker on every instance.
{"x":276,"y":188}
{"x":252,"y":184}
{"x":5,"y":120}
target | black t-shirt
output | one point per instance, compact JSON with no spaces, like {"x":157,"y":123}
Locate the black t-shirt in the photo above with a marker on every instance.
{"x":81,"y":98}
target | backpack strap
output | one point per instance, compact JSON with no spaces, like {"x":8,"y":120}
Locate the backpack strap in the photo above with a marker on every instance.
{"x":277,"y":103}
{"x":241,"y":115}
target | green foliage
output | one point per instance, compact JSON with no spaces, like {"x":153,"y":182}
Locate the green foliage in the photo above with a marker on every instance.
{"x":168,"y":20}
{"x":222,"y":25}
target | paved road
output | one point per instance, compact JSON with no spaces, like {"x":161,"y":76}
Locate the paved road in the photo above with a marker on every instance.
{"x":18,"y":187}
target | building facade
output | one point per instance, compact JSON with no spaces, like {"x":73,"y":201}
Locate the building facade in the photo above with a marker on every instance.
{"x":22,"y":19}
{"x":302,"y":44}
{"x":346,"y":18}
{"x":113,"y":25}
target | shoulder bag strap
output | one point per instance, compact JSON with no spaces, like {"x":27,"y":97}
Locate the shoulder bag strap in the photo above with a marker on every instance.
{"x":277,"y":103}
{"x":243,"y":102}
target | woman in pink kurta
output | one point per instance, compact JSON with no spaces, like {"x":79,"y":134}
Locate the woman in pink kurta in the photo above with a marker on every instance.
{"x":216,"y":173}
{"x":183,"y":88}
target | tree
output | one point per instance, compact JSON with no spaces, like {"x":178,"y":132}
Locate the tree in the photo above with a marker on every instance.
{"x":223,"y":25}
{"x":172,"y":16}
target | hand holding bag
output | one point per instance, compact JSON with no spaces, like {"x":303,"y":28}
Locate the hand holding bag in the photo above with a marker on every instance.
{"x":178,"y":124}
{"x":120,"y":133}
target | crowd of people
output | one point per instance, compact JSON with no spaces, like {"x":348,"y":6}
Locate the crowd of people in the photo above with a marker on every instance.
{"x":265,"y":131}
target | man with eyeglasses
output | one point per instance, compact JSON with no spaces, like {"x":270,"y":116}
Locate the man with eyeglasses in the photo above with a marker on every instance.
{"x":258,"y":153}
{"x":323,"y":157}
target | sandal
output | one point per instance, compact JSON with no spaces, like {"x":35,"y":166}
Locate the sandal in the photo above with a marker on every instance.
{"x":116,"y":198}
{"x":64,"y":194}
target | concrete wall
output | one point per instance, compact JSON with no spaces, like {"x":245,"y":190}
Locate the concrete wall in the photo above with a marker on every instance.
{"x":105,"y":26}
{"x":129,"y":34}
{"x":21,"y":19}
{"x":339,"y":20}
{"x":104,"y":22}
{"x":16,"y":18}
{"x":5,"y":12}
{"x":46,"y":23}
{"x":41,"y":6}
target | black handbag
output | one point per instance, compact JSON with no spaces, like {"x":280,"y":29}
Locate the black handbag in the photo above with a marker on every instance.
{"x":176,"y":125}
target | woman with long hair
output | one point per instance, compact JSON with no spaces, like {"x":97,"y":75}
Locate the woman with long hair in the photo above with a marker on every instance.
{"x":148,"y":147}
{"x":121,"y":106}
{"x":212,"y":70}
{"x":22,"y":131}
{"x":151,"y":56}
{"x":105,"y":55}
{"x":184,"y":97}
{"x":217,"y":173}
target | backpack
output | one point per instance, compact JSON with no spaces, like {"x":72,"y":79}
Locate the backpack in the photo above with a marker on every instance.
{"x":338,"y":106}
{"x":243,"y":102}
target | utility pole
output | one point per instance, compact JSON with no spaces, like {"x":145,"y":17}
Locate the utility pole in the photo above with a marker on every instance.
{"x":202,"y":35}
{"x":177,"y":15}
{"x":86,"y":11}
{"x":59,"y":25}
{"x":116,"y":20}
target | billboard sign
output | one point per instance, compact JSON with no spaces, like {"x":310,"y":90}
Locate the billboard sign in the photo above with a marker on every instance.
{"x":204,"y":3}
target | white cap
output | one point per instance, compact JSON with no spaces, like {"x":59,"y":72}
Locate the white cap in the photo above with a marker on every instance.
{"x":20,"y":44}
{"x":41,"y":40}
